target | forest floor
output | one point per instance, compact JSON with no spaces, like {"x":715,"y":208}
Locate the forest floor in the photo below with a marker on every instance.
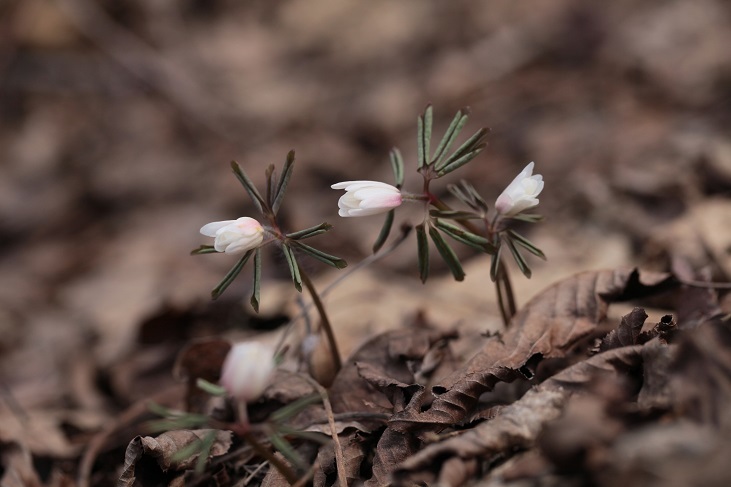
{"x":118,"y":122}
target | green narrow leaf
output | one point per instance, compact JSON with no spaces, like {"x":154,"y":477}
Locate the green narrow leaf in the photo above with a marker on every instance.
{"x":460,"y":195}
{"x":447,"y":254}
{"x":305,"y":435}
{"x":454,"y":129}
{"x":270,"y":175}
{"x":519,"y":259}
{"x":205,"y":450}
{"x":496,"y":262}
{"x":456,"y":164}
{"x":328,"y":259}
{"x":468,"y":238}
{"x":203,"y":249}
{"x":526,"y":244}
{"x":428,"y":120}
{"x":256,"y":293}
{"x":478,"y":201}
{"x":454,"y":214}
{"x":181,"y":423}
{"x":201,"y":447}
{"x":294,"y":269}
{"x":286,"y":412}
{"x":469,"y":145}
{"x":283,"y":181}
{"x":228,"y":279}
{"x":422,"y":246}
{"x":248,"y":186}
{"x":397,"y":163}
{"x":286,"y":449}
{"x":528,"y":217}
{"x":310,"y":232}
{"x":420,"y":157}
{"x":209,"y":387}
{"x":385,"y":231}
{"x":160,"y":410}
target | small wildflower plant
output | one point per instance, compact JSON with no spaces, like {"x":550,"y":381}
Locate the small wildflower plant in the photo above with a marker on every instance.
{"x":249,"y":367}
{"x":246,"y":235}
{"x":476,"y":227}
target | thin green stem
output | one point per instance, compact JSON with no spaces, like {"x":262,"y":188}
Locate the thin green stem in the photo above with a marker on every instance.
{"x":506,"y":300}
{"x":323,"y":318}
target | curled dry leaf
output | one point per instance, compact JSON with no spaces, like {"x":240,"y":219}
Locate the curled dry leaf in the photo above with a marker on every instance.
{"x":379,"y":378}
{"x":703,"y":382}
{"x":16,"y":466}
{"x":163,"y":449}
{"x":627,"y":332}
{"x":353,"y":455}
{"x":517,"y":426}
{"x":547,"y":327}
{"x":391,"y":356}
{"x":201,"y":358}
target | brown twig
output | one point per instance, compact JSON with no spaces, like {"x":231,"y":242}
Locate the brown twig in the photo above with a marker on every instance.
{"x":339,"y":460}
{"x":283,"y":468}
{"x":327,"y":328}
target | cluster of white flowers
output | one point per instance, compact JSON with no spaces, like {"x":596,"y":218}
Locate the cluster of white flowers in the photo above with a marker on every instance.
{"x":365,"y":198}
{"x":248,"y":368}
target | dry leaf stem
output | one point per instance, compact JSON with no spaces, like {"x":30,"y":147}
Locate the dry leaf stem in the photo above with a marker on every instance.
{"x":324,"y":320}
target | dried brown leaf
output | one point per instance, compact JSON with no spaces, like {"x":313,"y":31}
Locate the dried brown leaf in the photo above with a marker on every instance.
{"x":353,"y":455}
{"x":702,"y":366}
{"x":627,"y":332}
{"x":202,"y":358}
{"x":163,"y":448}
{"x":393,"y":448}
{"x":547,"y":327}
{"x":389,"y":355}
{"x":518,"y":425}
{"x":16,"y":466}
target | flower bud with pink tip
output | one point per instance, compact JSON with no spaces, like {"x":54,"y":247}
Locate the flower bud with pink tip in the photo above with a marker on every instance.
{"x":521,"y":194}
{"x":235,"y":236}
{"x":365,"y":198}
{"x":247,"y":370}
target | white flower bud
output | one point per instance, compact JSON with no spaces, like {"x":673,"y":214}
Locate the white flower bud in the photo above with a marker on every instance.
{"x":521,"y":193}
{"x":247,"y":370}
{"x":364,"y":198}
{"x":235,"y":236}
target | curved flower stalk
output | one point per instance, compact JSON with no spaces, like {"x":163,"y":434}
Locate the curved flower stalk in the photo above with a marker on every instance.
{"x":235,"y":236}
{"x":521,"y":194}
{"x":365,"y":198}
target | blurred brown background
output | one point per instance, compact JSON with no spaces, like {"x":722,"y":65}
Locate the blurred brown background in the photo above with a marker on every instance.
{"x":119,"y":120}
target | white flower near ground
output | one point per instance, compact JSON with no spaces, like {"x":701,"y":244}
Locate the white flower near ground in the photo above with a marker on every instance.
{"x":247,"y":370}
{"x":365,"y":198}
{"x":235,"y":236}
{"x":521,"y":194}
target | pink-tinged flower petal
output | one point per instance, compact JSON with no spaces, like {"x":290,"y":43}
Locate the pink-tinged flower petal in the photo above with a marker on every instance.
{"x":521,"y":194}
{"x":364,"y":198}
{"x":247,"y":370}
{"x":210,"y":229}
{"x":235,"y":236}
